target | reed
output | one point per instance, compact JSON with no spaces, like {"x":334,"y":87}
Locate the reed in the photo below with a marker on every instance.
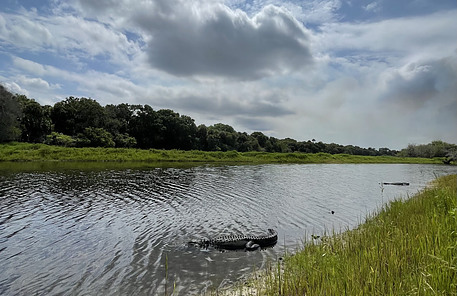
{"x":41,"y":152}
{"x":408,"y":248}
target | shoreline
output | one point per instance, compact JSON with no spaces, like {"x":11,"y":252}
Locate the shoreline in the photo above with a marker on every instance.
{"x":409,"y":245}
{"x":26,"y":152}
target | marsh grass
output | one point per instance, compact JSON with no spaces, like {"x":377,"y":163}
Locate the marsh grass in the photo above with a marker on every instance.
{"x":408,"y":248}
{"x":41,"y":152}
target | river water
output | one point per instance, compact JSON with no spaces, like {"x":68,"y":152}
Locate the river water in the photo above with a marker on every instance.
{"x":107,"y":230}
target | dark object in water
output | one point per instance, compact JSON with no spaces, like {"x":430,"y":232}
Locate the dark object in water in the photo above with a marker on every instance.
{"x":396,"y":183}
{"x":447,"y":160}
{"x":451,"y":156}
{"x":240,"y":242}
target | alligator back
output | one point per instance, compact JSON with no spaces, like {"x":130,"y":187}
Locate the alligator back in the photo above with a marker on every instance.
{"x":236,"y":242}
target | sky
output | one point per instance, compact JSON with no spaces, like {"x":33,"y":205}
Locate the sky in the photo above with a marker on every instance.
{"x":371,"y":73}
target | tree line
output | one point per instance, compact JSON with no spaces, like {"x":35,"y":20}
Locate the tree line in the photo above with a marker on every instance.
{"x":83,"y":122}
{"x":433,"y":149}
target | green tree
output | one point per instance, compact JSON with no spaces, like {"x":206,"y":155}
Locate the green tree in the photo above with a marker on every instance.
{"x":441,"y":149}
{"x":74,"y":115}
{"x":221,"y":137}
{"x":247,"y":143}
{"x":201,"y":141}
{"x":387,"y":151}
{"x":9,"y":113}
{"x":95,"y":137}
{"x":118,"y":117}
{"x":262,"y":140}
{"x":308,"y":147}
{"x":117,"y":122}
{"x":433,"y":149}
{"x":186,"y":133}
{"x":124,"y":141}
{"x":145,"y":127}
{"x":35,"y":121}
{"x":60,"y":139}
{"x":333,"y":148}
{"x":175,"y":131}
{"x":277,"y":145}
{"x":291,"y":144}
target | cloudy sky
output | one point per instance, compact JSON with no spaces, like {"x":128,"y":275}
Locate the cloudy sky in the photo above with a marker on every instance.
{"x":379,"y":73}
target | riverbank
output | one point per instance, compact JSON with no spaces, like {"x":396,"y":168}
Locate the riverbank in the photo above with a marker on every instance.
{"x":41,"y":152}
{"x":409,"y":247}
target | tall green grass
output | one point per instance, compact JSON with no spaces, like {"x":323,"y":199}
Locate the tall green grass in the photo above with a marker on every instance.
{"x":408,"y":248}
{"x":41,"y":152}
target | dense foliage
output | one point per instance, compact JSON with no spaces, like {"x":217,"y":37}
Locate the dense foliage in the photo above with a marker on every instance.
{"x":9,"y":112}
{"x":434,"y":149}
{"x":83,"y":122}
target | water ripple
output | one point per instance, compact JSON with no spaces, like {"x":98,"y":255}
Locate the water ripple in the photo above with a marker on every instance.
{"x":126,"y":231}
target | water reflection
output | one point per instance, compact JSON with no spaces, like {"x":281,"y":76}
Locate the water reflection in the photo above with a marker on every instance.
{"x":123,"y":230}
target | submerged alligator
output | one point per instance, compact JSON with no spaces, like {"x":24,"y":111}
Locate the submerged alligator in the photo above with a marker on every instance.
{"x":240,"y":242}
{"x":396,"y":183}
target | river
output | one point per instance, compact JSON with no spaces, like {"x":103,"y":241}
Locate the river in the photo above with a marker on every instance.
{"x":107,"y":230}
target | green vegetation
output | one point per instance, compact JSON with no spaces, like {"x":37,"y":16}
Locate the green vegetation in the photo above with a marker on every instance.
{"x":9,"y":112}
{"x":83,"y":122}
{"x":433,"y":149}
{"x":408,"y":248}
{"x":15,"y":151}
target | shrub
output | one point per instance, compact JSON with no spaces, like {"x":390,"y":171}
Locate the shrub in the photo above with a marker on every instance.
{"x":95,"y":137}
{"x":60,"y":139}
{"x":124,"y":141}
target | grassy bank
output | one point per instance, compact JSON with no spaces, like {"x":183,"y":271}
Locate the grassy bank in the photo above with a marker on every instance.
{"x":408,"y":248}
{"x":41,"y":152}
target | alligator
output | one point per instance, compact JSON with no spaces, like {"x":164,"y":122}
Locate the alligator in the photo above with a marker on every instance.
{"x":396,"y":183}
{"x":240,"y":242}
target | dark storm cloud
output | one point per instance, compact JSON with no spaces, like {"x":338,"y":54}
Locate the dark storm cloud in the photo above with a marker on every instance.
{"x":210,"y":39}
{"x":421,"y":84}
{"x":420,"y":101}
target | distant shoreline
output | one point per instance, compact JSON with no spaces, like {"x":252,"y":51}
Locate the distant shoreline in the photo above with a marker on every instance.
{"x":26,"y":152}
